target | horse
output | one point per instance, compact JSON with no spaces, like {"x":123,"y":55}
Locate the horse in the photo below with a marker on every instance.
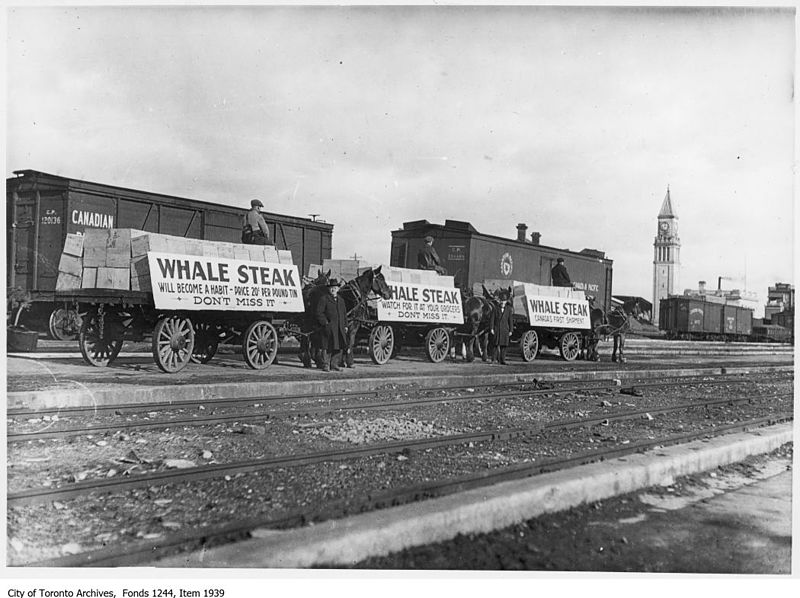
{"x":615,"y":323}
{"x":356,"y":293}
{"x":478,"y":315}
{"x":307,"y":323}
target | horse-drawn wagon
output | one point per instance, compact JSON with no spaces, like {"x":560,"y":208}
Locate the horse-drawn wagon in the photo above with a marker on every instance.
{"x":547,"y":316}
{"x":393,"y":307}
{"x":560,"y":318}
{"x":192,"y":295}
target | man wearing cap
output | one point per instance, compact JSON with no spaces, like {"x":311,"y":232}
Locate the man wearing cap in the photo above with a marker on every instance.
{"x":428,"y":259}
{"x":254,"y":230}
{"x":560,"y":274}
{"x":331,"y":317}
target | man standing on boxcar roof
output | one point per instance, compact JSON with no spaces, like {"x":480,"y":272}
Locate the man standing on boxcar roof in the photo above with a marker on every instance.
{"x":254,"y":229}
{"x":428,"y":259}
{"x":560,"y":274}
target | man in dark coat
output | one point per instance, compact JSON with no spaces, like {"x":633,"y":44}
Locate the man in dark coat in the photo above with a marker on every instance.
{"x":502,"y":325}
{"x":560,"y":274}
{"x":331,"y":317}
{"x":428,"y":259}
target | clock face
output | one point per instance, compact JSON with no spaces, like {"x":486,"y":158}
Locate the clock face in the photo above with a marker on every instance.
{"x":664,"y":226}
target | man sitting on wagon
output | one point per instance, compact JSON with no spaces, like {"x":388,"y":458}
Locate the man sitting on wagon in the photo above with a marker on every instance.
{"x":560,"y":274}
{"x":254,"y":229}
{"x":428,"y":259}
{"x":331,"y":317}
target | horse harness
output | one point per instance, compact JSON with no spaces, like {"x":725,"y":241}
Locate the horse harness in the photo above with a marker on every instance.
{"x":362,"y":299}
{"x":610,"y":331}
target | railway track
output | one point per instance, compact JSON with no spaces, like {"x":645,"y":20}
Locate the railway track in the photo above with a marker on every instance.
{"x":472,"y":395}
{"x":46,"y":494}
{"x":135,"y":553}
{"x":437,"y":465}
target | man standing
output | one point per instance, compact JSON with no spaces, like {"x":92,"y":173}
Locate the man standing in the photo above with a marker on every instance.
{"x":502,"y":325}
{"x":331,"y":316}
{"x":254,"y":230}
{"x":428,"y":259}
{"x":560,"y":274}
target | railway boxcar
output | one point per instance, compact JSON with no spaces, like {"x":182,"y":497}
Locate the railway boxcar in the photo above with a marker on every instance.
{"x":42,"y":208}
{"x":771,"y":333}
{"x":472,"y":257}
{"x":697,"y":318}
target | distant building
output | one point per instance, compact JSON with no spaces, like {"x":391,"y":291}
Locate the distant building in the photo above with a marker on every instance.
{"x":666,"y":256}
{"x":780,"y":298}
{"x":736,"y":297}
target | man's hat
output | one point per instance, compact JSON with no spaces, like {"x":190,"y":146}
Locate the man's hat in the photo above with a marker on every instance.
{"x":429,"y":239}
{"x":560,"y":260}
{"x":256,"y":203}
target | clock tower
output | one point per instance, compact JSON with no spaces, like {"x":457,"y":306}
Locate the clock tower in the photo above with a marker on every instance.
{"x":666,"y":256}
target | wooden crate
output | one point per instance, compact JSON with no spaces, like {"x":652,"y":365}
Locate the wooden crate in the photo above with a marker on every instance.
{"x":141,"y":283}
{"x":113,"y":278}
{"x":158,"y":243}
{"x":74,"y":244}
{"x":139,"y":267}
{"x":95,"y":247}
{"x":270,"y":254}
{"x":225,"y":250}
{"x":67,"y":282}
{"x":69,"y":264}
{"x":89,"y":278}
{"x":118,"y":248}
{"x":194,"y":247}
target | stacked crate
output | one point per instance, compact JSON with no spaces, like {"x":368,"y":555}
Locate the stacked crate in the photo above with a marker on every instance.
{"x":410,"y":276}
{"x":70,"y":266}
{"x":519,"y":288}
{"x":117,"y":258}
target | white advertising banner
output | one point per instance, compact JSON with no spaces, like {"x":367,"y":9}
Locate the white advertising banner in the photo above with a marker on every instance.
{"x":202,"y":283}
{"x":421,"y":303}
{"x":557,"y":312}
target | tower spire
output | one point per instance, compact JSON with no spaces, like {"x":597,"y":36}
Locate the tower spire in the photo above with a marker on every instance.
{"x":666,"y":207}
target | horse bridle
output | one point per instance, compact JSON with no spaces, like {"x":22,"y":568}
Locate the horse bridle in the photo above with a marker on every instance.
{"x":361,"y":298}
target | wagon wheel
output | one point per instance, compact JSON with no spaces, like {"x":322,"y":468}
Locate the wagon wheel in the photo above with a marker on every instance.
{"x":529,"y":343}
{"x":206,"y":342}
{"x":437,"y":344}
{"x":569,"y":345}
{"x":260,"y":344}
{"x":173,"y":343}
{"x":381,"y":343}
{"x":100,"y":340}
{"x":65,"y":324}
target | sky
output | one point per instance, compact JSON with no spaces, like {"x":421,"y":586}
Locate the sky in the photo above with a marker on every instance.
{"x":572,"y":120}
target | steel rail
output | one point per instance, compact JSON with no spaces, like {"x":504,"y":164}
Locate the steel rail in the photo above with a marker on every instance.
{"x":214,"y":419}
{"x":40,"y":495}
{"x":147,"y":551}
{"x":228,"y":401}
